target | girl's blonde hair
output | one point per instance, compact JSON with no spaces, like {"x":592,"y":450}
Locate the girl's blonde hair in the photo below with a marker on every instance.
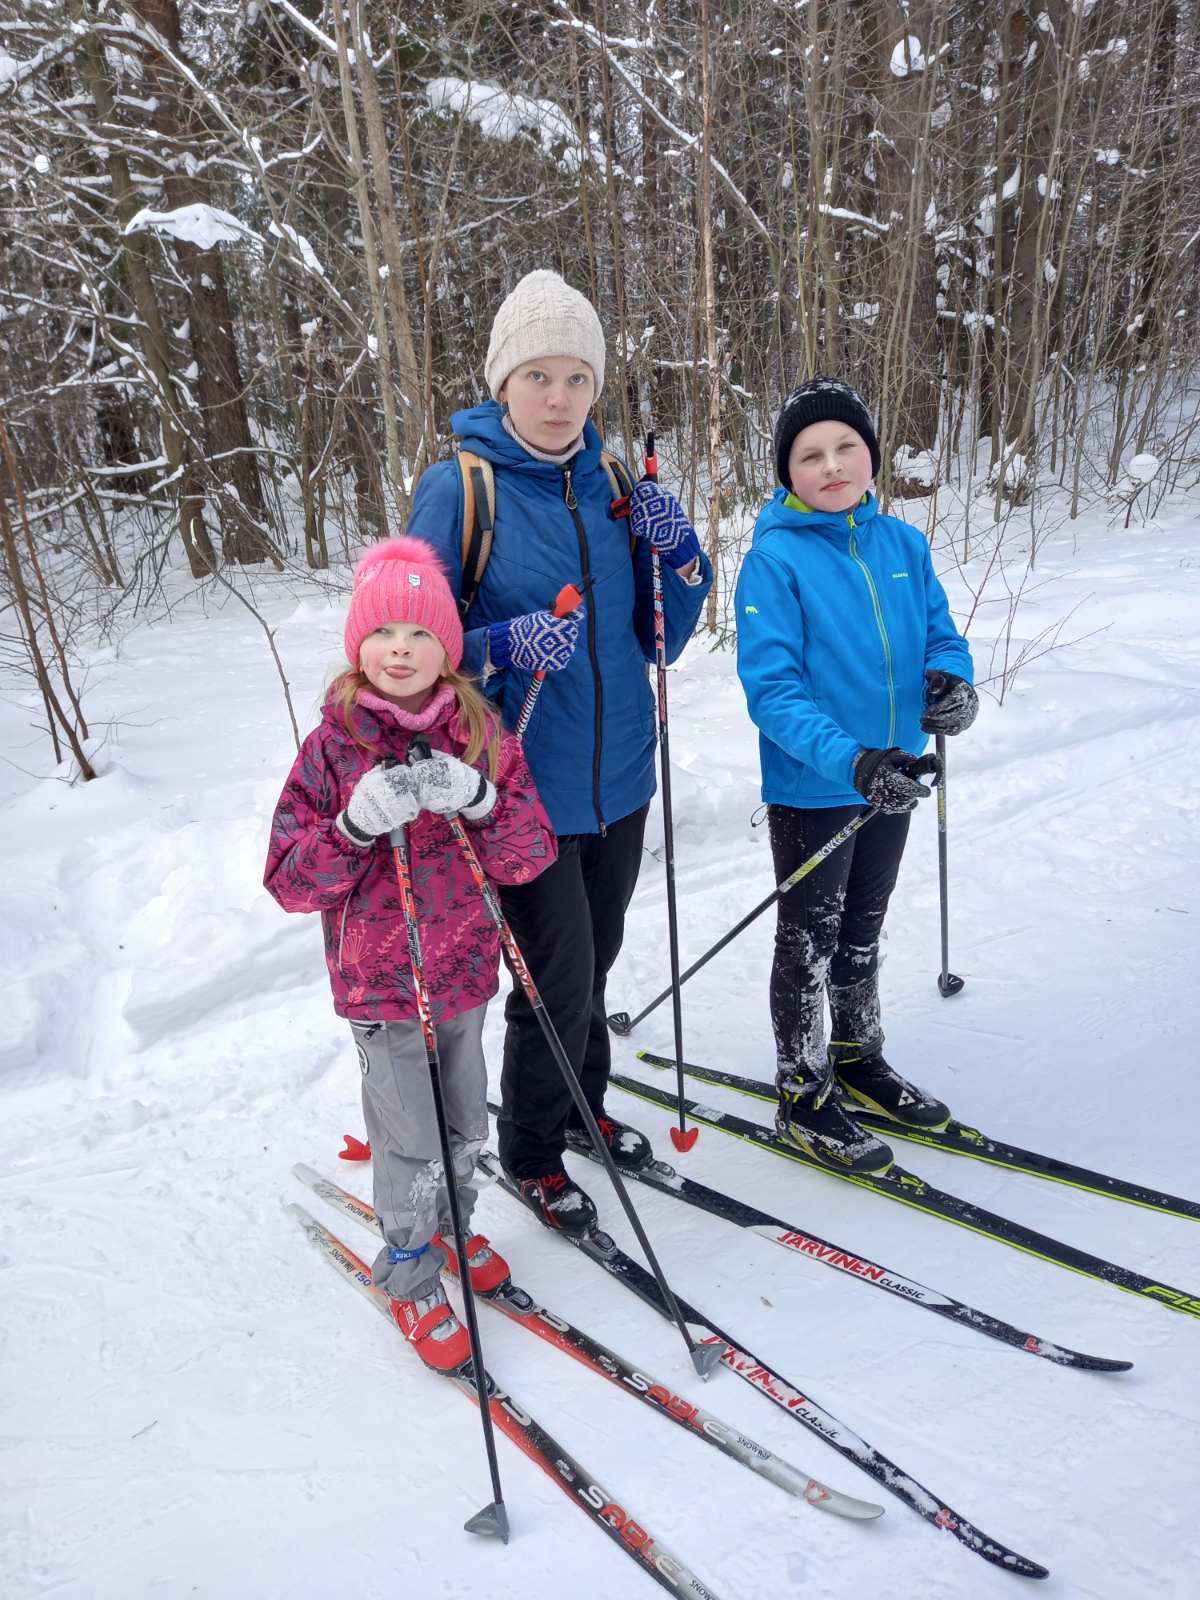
{"x":479,"y":716}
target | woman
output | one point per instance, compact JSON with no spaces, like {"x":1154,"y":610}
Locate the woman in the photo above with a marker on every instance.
{"x":590,"y":741}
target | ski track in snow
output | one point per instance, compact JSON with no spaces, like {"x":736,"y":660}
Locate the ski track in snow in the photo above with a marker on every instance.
{"x":193,"y":1404}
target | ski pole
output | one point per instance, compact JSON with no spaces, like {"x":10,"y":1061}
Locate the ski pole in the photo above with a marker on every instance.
{"x":704,"y":1357}
{"x":623,"y":1024}
{"x":569,"y":598}
{"x":948,"y":982}
{"x":682,"y":1137}
{"x":493,"y":1518}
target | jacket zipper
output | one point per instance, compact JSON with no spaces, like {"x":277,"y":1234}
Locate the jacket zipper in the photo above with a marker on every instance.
{"x":883,"y":633}
{"x":573,"y":508}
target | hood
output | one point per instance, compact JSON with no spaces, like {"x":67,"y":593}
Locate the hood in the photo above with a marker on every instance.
{"x":481,"y":429}
{"x":779,"y":517}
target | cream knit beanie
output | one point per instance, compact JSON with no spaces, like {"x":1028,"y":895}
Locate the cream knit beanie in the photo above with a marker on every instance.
{"x":543,"y":316}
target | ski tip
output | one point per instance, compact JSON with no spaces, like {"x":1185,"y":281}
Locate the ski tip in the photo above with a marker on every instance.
{"x":298,"y":1214}
{"x":306,"y":1174}
{"x":836,"y":1504}
{"x":1102,"y":1364}
{"x":620,"y":1023}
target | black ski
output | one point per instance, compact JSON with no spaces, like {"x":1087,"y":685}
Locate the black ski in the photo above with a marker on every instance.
{"x":521,"y":1308}
{"x":603,"y":1250}
{"x":899,"y":1184}
{"x":658,"y":1175}
{"x":529,"y":1437}
{"x":961,"y":1140}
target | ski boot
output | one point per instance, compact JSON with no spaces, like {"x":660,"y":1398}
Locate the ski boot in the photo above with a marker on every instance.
{"x":557,"y":1201}
{"x":869,"y":1084}
{"x":431,"y":1327}
{"x":811,"y":1118}
{"x":629,"y":1149}
{"x":488,"y":1268}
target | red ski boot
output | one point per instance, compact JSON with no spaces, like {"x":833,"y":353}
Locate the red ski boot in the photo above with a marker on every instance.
{"x":489,"y":1270}
{"x":433,"y":1330}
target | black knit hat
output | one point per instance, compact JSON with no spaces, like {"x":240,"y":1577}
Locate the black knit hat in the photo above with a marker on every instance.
{"x":822,"y":400}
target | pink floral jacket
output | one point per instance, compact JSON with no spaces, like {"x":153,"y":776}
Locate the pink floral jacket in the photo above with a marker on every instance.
{"x":312,"y":867}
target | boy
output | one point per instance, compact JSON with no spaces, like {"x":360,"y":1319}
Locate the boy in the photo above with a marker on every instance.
{"x":848,"y":657}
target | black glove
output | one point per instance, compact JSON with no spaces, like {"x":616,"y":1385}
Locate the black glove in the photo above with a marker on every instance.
{"x":951,"y":705}
{"x":889,"y":780}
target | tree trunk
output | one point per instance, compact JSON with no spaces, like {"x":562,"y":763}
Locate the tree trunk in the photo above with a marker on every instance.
{"x":186,"y":476}
{"x":220,"y":389}
{"x":910,"y":367}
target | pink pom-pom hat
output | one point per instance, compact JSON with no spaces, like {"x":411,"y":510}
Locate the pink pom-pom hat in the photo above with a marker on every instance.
{"x":401,"y":580}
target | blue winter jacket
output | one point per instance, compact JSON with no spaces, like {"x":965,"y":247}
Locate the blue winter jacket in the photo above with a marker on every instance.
{"x":590,"y":741}
{"x":838,"y":616}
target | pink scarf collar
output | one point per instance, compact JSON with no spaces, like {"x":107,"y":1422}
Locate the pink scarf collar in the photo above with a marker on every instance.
{"x":439,"y":709}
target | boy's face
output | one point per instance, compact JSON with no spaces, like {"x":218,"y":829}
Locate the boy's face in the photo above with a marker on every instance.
{"x":829,"y":466}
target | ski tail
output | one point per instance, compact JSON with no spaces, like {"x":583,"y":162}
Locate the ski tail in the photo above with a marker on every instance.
{"x":910,"y":1190}
{"x":603,"y":1250}
{"x":658,"y":1175}
{"x":521,"y":1308}
{"x":958,"y":1139}
{"x":630,"y":1535}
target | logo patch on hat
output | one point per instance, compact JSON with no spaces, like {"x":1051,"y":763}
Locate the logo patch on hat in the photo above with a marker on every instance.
{"x":414,"y":580}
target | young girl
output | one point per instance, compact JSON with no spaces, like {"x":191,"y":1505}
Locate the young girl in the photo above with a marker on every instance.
{"x":848,"y":657}
{"x":330,"y":853}
{"x":591,"y":738}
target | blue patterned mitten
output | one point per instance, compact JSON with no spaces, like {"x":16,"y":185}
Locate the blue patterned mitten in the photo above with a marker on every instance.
{"x":656,"y":515}
{"x":537,"y":642}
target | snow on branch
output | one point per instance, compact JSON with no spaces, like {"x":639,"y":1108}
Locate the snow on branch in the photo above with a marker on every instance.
{"x":504,"y":116}
{"x":208,"y":226}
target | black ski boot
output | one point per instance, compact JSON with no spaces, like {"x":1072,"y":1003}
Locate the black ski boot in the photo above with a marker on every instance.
{"x":872,"y":1085}
{"x":629,"y":1149}
{"x":811,"y":1118}
{"x":557,"y":1201}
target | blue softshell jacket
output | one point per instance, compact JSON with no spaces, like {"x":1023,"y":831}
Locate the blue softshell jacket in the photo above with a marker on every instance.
{"x":590,"y":742}
{"x":838,"y":616}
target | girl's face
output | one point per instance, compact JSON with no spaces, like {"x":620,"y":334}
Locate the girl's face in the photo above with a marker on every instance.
{"x":548,"y":400}
{"x":829,"y":466}
{"x":403,"y":661}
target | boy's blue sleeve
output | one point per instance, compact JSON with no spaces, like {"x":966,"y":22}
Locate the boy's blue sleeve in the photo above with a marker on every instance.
{"x":437,"y":517}
{"x":682,"y":602}
{"x":770,"y":663}
{"x":945,"y":647}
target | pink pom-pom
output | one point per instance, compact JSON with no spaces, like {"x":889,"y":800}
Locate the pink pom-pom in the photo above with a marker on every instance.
{"x":415,"y":551}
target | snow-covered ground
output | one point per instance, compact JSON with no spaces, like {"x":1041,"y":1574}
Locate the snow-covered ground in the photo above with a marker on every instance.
{"x":193,"y":1405}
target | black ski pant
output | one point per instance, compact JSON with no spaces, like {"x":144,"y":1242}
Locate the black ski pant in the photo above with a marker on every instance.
{"x":827,"y":936}
{"x":569,"y":923}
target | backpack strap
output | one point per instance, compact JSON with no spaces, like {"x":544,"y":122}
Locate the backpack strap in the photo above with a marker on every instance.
{"x":622,"y":488}
{"x":622,"y":483}
{"x":479,"y":522}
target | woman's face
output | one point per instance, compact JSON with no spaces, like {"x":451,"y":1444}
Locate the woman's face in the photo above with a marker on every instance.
{"x":548,"y":400}
{"x":829,"y":466}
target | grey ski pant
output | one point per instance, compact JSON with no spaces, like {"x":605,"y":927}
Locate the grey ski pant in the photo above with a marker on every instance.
{"x":410,"y":1187}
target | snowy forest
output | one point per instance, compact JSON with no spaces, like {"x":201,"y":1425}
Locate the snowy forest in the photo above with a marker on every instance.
{"x":249,"y":256}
